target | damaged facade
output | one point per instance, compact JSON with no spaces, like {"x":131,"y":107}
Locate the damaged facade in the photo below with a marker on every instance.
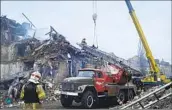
{"x":14,"y":40}
{"x":54,"y":57}
{"x":12,"y":31}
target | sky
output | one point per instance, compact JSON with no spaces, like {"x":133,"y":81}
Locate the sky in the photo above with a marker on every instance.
{"x":115,"y":29}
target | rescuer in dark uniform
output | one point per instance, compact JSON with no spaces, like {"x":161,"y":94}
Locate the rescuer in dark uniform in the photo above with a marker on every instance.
{"x":83,"y":42}
{"x":32,"y":92}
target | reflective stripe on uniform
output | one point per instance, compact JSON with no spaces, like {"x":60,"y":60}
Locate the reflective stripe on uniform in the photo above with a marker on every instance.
{"x":22,"y":93}
{"x":40,"y":91}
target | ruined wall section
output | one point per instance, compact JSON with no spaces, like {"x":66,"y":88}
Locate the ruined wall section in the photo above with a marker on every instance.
{"x":60,"y":68}
{"x":9,"y":63}
{"x":4,"y":53}
{"x":11,"y":68}
{"x":8,"y":53}
{"x":62,"y":72}
{"x":11,"y":33}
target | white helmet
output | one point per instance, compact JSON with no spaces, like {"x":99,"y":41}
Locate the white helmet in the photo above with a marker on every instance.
{"x":35,"y":77}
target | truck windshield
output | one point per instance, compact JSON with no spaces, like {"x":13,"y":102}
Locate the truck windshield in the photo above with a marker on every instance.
{"x":85,"y":74}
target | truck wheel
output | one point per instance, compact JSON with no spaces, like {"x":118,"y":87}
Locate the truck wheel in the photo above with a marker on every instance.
{"x":130,"y":95}
{"x":121,"y":97}
{"x":88,"y":100}
{"x":66,"y":101}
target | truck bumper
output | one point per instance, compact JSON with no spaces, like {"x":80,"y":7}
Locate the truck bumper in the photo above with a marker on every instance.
{"x":68,"y":93}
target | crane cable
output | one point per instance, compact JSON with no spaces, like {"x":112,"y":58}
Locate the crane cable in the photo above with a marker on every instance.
{"x":94,"y":19}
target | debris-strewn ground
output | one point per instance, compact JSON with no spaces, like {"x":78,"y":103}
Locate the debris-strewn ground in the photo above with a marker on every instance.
{"x":52,"y":101}
{"x":165,"y":103}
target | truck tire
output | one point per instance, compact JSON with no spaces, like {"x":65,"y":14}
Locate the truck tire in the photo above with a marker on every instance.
{"x":121,"y":97}
{"x":88,"y":100}
{"x":130,"y":95}
{"x":66,"y":101}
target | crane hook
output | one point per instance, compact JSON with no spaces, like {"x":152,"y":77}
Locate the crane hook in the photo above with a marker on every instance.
{"x":94,"y":17}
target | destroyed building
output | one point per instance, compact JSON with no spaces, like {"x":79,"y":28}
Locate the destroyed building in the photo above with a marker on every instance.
{"x":54,"y":57}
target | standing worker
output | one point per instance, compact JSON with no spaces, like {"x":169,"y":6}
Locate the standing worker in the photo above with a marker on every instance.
{"x":32,"y":92}
{"x":83,"y":42}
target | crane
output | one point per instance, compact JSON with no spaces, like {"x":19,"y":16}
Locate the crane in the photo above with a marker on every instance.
{"x":154,"y":69}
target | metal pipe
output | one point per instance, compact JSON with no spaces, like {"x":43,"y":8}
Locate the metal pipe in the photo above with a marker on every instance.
{"x":29,"y":20}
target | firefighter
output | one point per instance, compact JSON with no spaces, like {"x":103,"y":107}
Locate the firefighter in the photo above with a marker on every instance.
{"x":32,"y":92}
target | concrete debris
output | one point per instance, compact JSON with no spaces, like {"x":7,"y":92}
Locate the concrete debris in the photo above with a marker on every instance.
{"x":14,"y":79}
{"x":51,"y":91}
{"x":166,"y":103}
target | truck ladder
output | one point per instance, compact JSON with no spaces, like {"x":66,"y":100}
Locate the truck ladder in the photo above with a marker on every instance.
{"x":108,"y":57}
{"x":154,"y":93}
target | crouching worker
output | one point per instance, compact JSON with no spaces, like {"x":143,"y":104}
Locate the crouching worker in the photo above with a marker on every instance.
{"x":32,"y":92}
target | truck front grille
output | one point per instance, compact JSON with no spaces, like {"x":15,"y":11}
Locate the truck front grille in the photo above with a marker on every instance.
{"x":68,"y":87}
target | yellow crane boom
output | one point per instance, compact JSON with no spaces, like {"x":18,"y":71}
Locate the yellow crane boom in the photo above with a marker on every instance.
{"x":153,"y":65}
{"x":149,"y":55}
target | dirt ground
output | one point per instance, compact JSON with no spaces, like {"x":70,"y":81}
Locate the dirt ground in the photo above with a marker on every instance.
{"x":167,"y":103}
{"x":55,"y":105}
{"x":51,"y":105}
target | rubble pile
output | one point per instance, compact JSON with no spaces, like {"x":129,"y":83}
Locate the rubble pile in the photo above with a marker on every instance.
{"x":25,"y":47}
{"x":52,"y":92}
{"x":50,"y":47}
{"x":31,"y":50}
{"x":166,"y":103}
